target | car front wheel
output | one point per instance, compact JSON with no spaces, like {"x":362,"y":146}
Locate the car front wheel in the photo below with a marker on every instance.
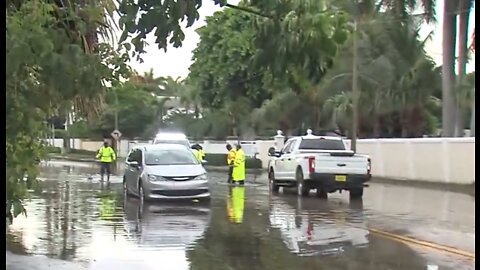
{"x":273,"y":184}
{"x":126,"y":193}
{"x":141,"y":194}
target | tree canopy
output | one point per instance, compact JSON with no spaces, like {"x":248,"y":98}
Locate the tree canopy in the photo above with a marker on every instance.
{"x":50,"y":69}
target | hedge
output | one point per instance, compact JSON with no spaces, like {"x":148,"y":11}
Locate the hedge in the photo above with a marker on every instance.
{"x":57,"y":150}
{"x":213,"y":159}
{"x":53,"y":150}
{"x":221,"y":160}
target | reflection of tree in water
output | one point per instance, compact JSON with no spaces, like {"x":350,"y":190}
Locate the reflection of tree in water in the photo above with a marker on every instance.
{"x":70,"y":209}
{"x":15,"y":244}
{"x":250,"y":246}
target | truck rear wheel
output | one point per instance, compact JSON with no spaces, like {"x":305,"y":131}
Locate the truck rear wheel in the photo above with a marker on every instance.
{"x":273,"y":184}
{"x":321,"y":193}
{"x":356,"y":193}
{"x":302,"y":188}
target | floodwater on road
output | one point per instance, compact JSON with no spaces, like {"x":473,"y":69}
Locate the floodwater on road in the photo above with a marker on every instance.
{"x":75,"y":218}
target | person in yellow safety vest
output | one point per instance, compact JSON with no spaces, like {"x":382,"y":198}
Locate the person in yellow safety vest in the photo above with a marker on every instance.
{"x":230,"y":159}
{"x":106,"y":156}
{"x":202,"y":153}
{"x":238,"y":174}
{"x":197,"y":153}
{"x":236,"y":204}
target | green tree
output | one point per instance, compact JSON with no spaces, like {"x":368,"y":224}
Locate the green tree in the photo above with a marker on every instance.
{"x":224,"y":75}
{"x":139,"y":111}
{"x":48,"y":70}
{"x":396,"y":77}
{"x":464,"y":9}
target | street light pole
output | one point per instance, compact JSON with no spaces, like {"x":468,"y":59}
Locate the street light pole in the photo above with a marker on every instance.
{"x":355,"y":92}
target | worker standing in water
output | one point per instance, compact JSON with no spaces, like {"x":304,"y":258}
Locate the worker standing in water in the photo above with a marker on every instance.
{"x":230,"y":160}
{"x":238,"y":174}
{"x":106,"y":156}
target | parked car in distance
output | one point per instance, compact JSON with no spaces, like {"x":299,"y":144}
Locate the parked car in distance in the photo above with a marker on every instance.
{"x":164,"y":171}
{"x":171,"y":138}
{"x":318,"y":162}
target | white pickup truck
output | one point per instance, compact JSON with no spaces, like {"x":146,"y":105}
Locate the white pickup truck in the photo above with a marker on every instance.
{"x":318,"y":162}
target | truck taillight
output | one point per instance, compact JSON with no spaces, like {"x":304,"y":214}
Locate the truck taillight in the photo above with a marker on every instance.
{"x":369,"y":166}
{"x":311,"y":164}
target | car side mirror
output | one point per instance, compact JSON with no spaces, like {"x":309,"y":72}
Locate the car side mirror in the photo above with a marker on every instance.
{"x":271,"y":151}
{"x":133,"y":164}
{"x":204,"y":162}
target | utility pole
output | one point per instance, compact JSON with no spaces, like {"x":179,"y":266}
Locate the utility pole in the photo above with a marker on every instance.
{"x":355,"y":92}
{"x":116,"y":134}
{"x":116,"y":110}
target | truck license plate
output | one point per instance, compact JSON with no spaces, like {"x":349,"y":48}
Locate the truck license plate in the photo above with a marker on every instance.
{"x":340,"y":178}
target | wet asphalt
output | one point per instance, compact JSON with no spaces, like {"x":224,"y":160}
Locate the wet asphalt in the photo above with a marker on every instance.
{"x":77,"y":222}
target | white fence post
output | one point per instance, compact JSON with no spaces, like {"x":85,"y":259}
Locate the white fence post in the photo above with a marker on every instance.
{"x":279,"y":140}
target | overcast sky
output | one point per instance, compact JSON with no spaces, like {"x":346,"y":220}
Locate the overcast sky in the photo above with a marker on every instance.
{"x":175,"y":61}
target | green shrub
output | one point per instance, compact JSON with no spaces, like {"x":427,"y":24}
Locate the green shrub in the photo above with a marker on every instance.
{"x":53,"y":150}
{"x":221,"y":160}
{"x":83,"y":152}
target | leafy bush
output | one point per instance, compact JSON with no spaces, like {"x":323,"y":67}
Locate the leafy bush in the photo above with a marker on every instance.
{"x":221,"y":160}
{"x":53,"y":150}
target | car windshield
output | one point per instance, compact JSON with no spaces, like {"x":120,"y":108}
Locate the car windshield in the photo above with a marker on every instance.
{"x":322,"y":144}
{"x":170,"y":157}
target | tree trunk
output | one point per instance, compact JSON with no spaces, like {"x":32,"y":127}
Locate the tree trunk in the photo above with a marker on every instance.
{"x":416,"y":121}
{"x":404,"y":123}
{"x":377,"y":127}
{"x":448,"y":74}
{"x":472,"y":120}
{"x":464,"y":14}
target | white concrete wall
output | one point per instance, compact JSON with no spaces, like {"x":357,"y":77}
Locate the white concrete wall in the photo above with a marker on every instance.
{"x":441,"y":160}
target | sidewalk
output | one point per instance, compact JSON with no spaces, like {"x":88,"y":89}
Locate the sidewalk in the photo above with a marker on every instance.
{"x":22,"y":262}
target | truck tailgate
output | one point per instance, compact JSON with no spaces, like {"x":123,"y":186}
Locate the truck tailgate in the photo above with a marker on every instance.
{"x":326,"y":163}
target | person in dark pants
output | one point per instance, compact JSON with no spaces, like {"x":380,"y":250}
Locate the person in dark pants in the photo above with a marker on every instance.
{"x":106,"y":156}
{"x":230,"y":159}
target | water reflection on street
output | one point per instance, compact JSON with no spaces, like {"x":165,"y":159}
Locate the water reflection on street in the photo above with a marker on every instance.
{"x":75,"y":217}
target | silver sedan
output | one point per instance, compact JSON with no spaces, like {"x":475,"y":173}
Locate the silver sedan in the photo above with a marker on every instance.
{"x":164,"y":171}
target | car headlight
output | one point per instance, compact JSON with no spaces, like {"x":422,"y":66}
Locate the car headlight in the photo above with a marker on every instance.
{"x":201,"y":177}
{"x":154,"y":178}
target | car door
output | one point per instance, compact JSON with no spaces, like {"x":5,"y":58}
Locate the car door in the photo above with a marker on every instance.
{"x":290,"y":164}
{"x":280,"y":169}
{"x":127,"y":175}
{"x":132,"y":172}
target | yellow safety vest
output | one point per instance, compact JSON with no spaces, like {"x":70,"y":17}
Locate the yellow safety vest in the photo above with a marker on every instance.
{"x":230,"y":157}
{"x":197,"y":154}
{"x":202,"y":154}
{"x":106,"y":154}
{"x":238,"y":173}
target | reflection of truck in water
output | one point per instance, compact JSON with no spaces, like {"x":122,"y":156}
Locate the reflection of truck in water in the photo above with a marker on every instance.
{"x":317,"y":233}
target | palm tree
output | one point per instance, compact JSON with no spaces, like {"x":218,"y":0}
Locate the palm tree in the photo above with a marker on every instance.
{"x":464,"y":9}
{"x":403,"y":9}
{"x":448,"y":73}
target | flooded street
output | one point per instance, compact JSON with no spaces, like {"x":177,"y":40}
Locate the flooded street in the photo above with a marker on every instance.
{"x":75,"y":218}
